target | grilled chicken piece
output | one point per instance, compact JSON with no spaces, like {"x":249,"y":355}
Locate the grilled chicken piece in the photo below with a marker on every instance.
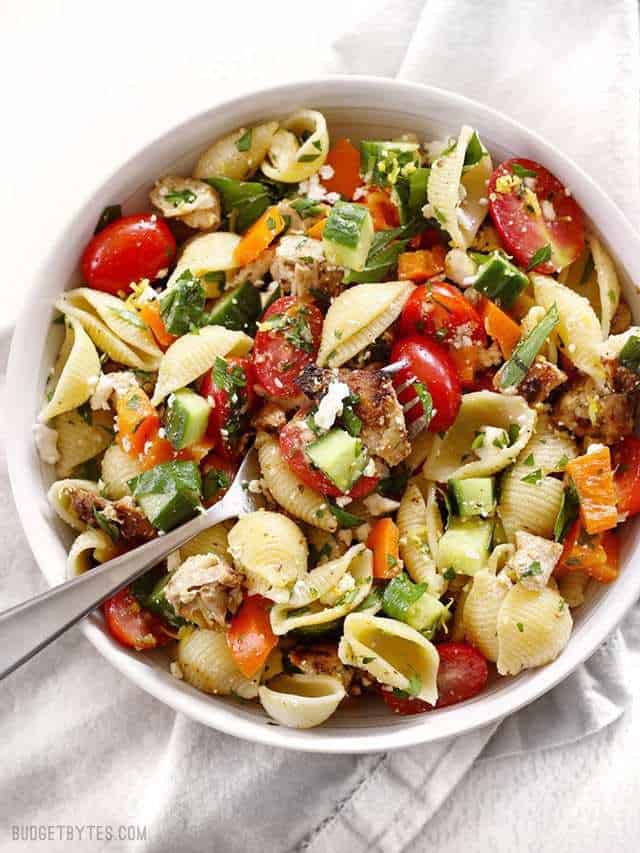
{"x":622,"y":380}
{"x":384,"y":432}
{"x":542,"y":378}
{"x":270,"y":418}
{"x":194,"y":202}
{"x":301,"y":268}
{"x":588,"y":411}
{"x":205,"y":589}
{"x":133,"y":526}
{"x":255,"y":271}
{"x":320,"y":659}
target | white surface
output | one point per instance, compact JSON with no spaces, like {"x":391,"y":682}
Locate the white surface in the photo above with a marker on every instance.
{"x":54,"y":761}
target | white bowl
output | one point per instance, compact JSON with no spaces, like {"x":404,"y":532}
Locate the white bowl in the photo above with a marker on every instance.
{"x":359,"y":106}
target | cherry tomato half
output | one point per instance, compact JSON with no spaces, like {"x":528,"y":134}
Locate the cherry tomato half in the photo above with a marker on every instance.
{"x":432,"y":366}
{"x":294,"y":438}
{"x":289,"y":344}
{"x":462,"y":674}
{"x":231,"y":403}
{"x":531,"y":210}
{"x":440,"y":311}
{"x":126,"y":251}
{"x":626,"y":460}
{"x":131,"y":624}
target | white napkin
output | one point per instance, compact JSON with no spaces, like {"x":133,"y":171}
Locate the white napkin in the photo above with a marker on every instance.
{"x":84,"y":746}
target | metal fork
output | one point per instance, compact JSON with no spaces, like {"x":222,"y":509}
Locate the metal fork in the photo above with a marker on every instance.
{"x":32,"y":625}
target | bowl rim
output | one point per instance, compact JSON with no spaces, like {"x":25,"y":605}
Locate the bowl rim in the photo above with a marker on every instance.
{"x":456,"y":720}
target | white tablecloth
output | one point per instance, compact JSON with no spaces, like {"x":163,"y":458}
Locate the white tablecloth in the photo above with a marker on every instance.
{"x":85,"y":86}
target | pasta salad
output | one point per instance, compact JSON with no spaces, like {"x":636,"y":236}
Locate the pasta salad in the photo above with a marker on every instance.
{"x":433,"y":357}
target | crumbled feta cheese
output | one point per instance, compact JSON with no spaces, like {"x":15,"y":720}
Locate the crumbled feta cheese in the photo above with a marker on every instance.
{"x":548,"y":210}
{"x":326,"y":172}
{"x":295,"y":247}
{"x":162,"y":433}
{"x":530,"y":182}
{"x":331,"y":405}
{"x":343,"y":501}
{"x":595,"y":447}
{"x":370,"y":470}
{"x":346,"y":583}
{"x":313,"y":189}
{"x":256,"y":487}
{"x":377,"y":505}
{"x":359,"y":192}
{"x":107,"y":383}
{"x":147,"y":295}
{"x":46,"y":440}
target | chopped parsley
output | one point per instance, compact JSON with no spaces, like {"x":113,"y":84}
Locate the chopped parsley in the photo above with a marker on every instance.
{"x":530,"y":461}
{"x":513,"y":433}
{"x":450,"y":574}
{"x":109,"y":527}
{"x":244,"y":142}
{"x":415,"y":684}
{"x":522,"y":171}
{"x":478,"y":441}
{"x":178,"y":197}
{"x":182,"y":306}
{"x":425,"y":398}
{"x":567,"y":514}
{"x":214,"y":482}
{"x":532,"y":570}
{"x":520,"y":627}
{"x":108,"y":215}
{"x":540,"y":257}
{"x":295,"y":326}
{"x":308,"y":158}
{"x":563,"y":462}
{"x":228,"y":377}
{"x":533,"y":478}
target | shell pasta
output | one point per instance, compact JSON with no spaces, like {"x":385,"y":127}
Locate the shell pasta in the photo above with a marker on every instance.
{"x":434,"y":367}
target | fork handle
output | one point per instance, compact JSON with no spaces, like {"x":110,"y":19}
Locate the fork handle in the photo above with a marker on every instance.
{"x":32,"y":625}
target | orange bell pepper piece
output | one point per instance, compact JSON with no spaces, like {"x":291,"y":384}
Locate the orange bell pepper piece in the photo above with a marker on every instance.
{"x":150,"y":314}
{"x":344,"y":159}
{"x":384,"y":541}
{"x":259,"y":236}
{"x":597,"y":555}
{"x":383,"y":211}
{"x":500,"y":327}
{"x":592,"y":476}
{"x":421,"y":265}
{"x":137,"y":420}
{"x":250,"y":638}
{"x":317,"y":229}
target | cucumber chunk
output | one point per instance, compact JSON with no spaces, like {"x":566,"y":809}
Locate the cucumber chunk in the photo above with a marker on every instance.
{"x":347,"y":236}
{"x":238,"y":310}
{"x":465,"y":545}
{"x":382,"y":162}
{"x":186,"y":418}
{"x":410,"y":194}
{"x":475,"y":496}
{"x":411,"y":603}
{"x":169,"y":493}
{"x":498,"y":278}
{"x":340,"y":456}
